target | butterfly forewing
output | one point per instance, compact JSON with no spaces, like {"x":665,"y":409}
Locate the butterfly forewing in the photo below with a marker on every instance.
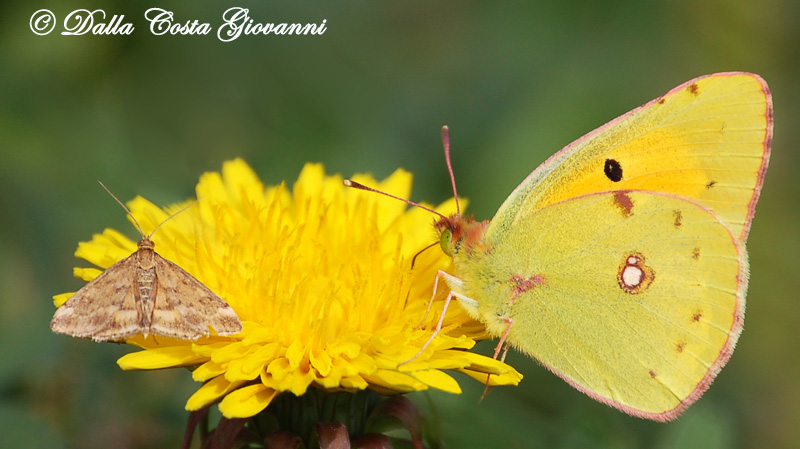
{"x":708,"y":139}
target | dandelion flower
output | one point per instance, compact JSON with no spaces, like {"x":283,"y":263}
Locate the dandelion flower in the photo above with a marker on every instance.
{"x":321,"y":279}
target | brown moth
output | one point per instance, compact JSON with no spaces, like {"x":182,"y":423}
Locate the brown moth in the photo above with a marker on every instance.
{"x":144,"y":294}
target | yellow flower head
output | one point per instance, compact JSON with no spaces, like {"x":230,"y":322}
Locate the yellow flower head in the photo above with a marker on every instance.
{"x":321,"y":279}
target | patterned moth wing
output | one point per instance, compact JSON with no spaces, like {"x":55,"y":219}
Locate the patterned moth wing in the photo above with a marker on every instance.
{"x":103,"y":309}
{"x":185,"y":307}
{"x":145,"y":294}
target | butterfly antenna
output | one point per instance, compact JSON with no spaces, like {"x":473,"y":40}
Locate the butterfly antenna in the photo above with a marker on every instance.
{"x":123,"y":206}
{"x":356,"y":185}
{"x":446,"y":143}
{"x":173,"y":215}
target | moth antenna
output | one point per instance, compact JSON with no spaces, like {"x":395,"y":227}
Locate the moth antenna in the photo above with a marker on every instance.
{"x":356,"y":185}
{"x":173,"y":215}
{"x":123,"y":206}
{"x":446,"y":143}
{"x":136,"y":222}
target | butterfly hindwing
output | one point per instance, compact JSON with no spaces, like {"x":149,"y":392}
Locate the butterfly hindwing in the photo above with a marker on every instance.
{"x":635,"y":298}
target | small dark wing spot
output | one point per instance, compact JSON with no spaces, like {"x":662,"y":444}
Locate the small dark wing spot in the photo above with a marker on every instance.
{"x":697,"y":315}
{"x":624,"y":203}
{"x":522,"y":285}
{"x":678,"y":218}
{"x":661,"y":100}
{"x":680,"y":346}
{"x":693,"y":89}
{"x":653,"y":374}
{"x":613,"y":170}
{"x":711,"y":184}
{"x":696,"y":253}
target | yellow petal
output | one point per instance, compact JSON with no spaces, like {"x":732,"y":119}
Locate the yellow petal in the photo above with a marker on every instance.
{"x":207,"y":371}
{"x":396,"y":380}
{"x":495,"y":379}
{"x":438,"y":380}
{"x":321,"y":362}
{"x":247,"y":401}
{"x":86,"y":274}
{"x":354,"y":382}
{"x":158,"y":358}
{"x":210,"y":392}
{"x":481,"y":363}
{"x":60,"y":299}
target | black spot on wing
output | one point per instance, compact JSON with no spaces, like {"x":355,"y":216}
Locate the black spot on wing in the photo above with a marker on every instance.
{"x":613,"y":170}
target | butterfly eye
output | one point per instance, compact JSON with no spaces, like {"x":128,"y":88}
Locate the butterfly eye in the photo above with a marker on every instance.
{"x":444,"y":240}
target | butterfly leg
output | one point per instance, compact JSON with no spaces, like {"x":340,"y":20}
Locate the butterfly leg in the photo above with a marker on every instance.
{"x":450,"y":296}
{"x":433,"y":296}
{"x":509,"y":322}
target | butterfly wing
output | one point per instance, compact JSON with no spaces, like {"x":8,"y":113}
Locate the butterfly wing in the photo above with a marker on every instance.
{"x":104,"y":308}
{"x":708,"y":139}
{"x":634,"y":298}
{"x":185,"y":307}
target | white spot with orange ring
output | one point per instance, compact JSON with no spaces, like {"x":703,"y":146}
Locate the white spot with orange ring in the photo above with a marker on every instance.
{"x":634,"y":276}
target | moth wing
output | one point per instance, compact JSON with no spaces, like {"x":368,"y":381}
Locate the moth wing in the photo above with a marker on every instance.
{"x":707,"y":139}
{"x":185,"y":307}
{"x":104,"y":308}
{"x":635,"y":298}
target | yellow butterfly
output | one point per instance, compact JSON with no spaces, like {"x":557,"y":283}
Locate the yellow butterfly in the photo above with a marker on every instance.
{"x":620,"y":263}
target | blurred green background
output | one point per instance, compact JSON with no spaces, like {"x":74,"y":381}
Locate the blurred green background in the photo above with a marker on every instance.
{"x":514,"y":80}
